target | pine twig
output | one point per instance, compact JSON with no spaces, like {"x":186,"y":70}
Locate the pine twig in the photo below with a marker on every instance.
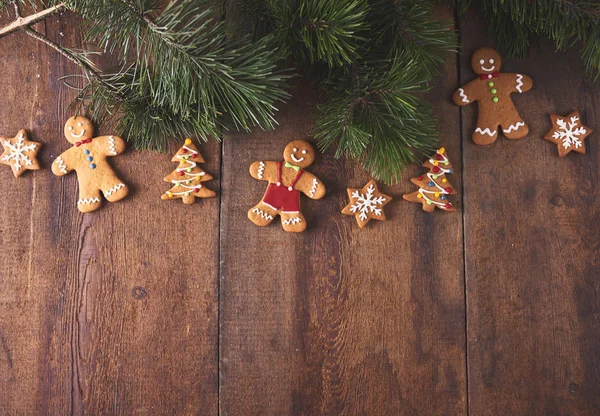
{"x":22,"y":23}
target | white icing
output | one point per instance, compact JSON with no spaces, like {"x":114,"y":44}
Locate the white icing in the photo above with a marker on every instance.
{"x":487,"y":131}
{"x":16,"y":152}
{"x":519,"y":82}
{"x":366,"y":203}
{"x":261,"y":170}
{"x":313,"y":189}
{"x":569,"y":132}
{"x":114,"y":189}
{"x":111,"y":145}
{"x":288,"y":212}
{"x":295,"y":159}
{"x":294,"y":220}
{"x":61,"y":165}
{"x":464,"y":97}
{"x":444,"y":170}
{"x":88,"y":201}
{"x":262,"y":214}
{"x":488,"y":69}
{"x":77,"y":136}
{"x":515,"y":126}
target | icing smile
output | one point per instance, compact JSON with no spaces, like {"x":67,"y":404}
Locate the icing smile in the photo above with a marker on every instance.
{"x":77,"y":136}
{"x":488,"y":69}
{"x":295,"y":159}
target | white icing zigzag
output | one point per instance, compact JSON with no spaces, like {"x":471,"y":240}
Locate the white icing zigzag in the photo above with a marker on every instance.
{"x":88,"y":201}
{"x":261,"y":170}
{"x":515,"y":126}
{"x":519,"y":82}
{"x":461,"y":92}
{"x":61,"y":165}
{"x":262,"y":214}
{"x":114,"y":189}
{"x":294,"y":220}
{"x":487,"y":131}
{"x":313,"y":189}
{"x":111,"y":145}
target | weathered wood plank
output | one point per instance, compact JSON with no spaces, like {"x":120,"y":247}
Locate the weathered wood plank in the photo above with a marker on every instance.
{"x":340,"y":320}
{"x":113,"y":312}
{"x":531,"y":238}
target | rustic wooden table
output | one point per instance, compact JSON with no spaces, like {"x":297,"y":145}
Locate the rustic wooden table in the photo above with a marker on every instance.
{"x":152,"y":307}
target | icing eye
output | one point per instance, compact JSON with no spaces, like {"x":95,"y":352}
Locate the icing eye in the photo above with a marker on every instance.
{"x":79,"y":124}
{"x":481,"y":61}
{"x":295,"y":150}
{"x":304,"y":152}
{"x":70,"y":128}
{"x":491,"y":61}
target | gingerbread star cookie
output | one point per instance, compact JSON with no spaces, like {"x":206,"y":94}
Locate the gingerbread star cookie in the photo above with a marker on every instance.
{"x":20,"y":153}
{"x":568,"y":133}
{"x":366,"y":203}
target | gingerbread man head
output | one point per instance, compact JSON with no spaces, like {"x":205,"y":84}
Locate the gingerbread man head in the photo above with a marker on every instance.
{"x":299,"y":153}
{"x":486,"y":61}
{"x":78,"y":128}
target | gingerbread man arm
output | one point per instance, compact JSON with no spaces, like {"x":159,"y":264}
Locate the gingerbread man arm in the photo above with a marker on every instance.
{"x":264,"y":171}
{"x":113,"y":145}
{"x":518,"y":82}
{"x":62,"y":164}
{"x":311,"y":186}
{"x":466,"y":94}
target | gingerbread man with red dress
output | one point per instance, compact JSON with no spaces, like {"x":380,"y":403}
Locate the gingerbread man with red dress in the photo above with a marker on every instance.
{"x":287,"y":180}
{"x":492,"y":91}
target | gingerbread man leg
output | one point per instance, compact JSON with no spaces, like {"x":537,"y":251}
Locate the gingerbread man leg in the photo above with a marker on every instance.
{"x":114,"y":190}
{"x":262,"y":214}
{"x":89,"y":197}
{"x":293,"y":222}
{"x":513,"y":125}
{"x":486,"y":132}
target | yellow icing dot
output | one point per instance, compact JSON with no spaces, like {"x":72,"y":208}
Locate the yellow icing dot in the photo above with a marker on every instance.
{"x":444,"y":180}
{"x":437,"y":194}
{"x":188,"y":141}
{"x":419,"y":196}
{"x":441,"y":151}
{"x":169,"y":194}
{"x":435,"y":163}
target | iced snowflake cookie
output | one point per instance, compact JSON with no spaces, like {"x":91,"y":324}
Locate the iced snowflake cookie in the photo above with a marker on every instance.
{"x":286,"y":181}
{"x":568,"y":133}
{"x":492,"y":91}
{"x":87,"y":157}
{"x":433,"y":186}
{"x":188,"y":177}
{"x":20,"y":153}
{"x":366,"y":203}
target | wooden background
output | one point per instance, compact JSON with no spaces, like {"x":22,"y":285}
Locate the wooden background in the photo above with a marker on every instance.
{"x":152,"y":307}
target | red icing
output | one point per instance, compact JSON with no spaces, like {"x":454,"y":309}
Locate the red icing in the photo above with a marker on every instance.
{"x":196,"y":190}
{"x":184,"y":150}
{"x":439,"y":157}
{"x":448,"y":205}
{"x":181,"y":173}
{"x":448,"y":190}
{"x":420,"y":178}
{"x":436,"y":169}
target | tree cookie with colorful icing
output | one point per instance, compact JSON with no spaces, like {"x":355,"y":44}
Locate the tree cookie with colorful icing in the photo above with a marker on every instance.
{"x":88,"y":157}
{"x":492,"y":90}
{"x":287,"y":180}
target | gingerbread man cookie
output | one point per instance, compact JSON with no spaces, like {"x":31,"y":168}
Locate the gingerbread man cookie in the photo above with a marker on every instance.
{"x":492,"y":92}
{"x":286,"y":182}
{"x":88,"y":158}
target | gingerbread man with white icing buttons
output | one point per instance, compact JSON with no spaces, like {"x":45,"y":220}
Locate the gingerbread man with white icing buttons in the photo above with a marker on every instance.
{"x":286,"y":182}
{"x":492,"y":91}
{"x":87,"y":157}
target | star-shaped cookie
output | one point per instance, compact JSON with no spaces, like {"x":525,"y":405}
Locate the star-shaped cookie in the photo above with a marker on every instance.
{"x":20,"y":153}
{"x":568,"y":133}
{"x":366,"y":203}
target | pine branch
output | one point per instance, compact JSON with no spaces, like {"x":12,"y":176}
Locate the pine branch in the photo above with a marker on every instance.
{"x":22,"y":23}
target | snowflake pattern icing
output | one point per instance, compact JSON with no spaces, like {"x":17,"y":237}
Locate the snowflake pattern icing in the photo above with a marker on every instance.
{"x":569,"y":132}
{"x":366,"y":202}
{"x":17,"y":152}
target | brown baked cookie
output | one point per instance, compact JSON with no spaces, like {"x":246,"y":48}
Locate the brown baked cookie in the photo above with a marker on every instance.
{"x":366,"y":203}
{"x":286,"y":181}
{"x":20,"y":153}
{"x":188,"y":177}
{"x":87,"y":157}
{"x":568,"y":133}
{"x":492,"y":91}
{"x":434,"y":187}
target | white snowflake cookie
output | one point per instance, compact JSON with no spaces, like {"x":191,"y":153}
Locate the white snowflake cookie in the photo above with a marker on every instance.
{"x":366,"y":203}
{"x":568,"y":133}
{"x":20,"y":153}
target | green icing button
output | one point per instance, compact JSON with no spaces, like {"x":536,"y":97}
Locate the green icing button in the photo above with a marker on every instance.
{"x":491,"y":84}
{"x":494,"y":90}
{"x":495,"y":99}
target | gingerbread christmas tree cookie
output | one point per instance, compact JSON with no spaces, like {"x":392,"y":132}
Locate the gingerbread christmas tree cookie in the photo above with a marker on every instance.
{"x":366,"y":203}
{"x":568,"y":133}
{"x":188,"y":177}
{"x":88,"y":157}
{"x":287,"y":180}
{"x":492,"y":90}
{"x":20,"y":153}
{"x":434,"y":187}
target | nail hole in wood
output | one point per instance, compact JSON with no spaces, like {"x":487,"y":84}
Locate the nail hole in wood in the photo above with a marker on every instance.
{"x":557,"y":201}
{"x":139,"y":292}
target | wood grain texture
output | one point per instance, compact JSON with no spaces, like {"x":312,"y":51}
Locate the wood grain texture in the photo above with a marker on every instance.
{"x":531,"y":238}
{"x":113,"y":312}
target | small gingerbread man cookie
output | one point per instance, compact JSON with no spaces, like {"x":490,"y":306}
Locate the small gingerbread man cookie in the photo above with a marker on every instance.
{"x":20,"y":153}
{"x":87,"y":157}
{"x":492,"y":91}
{"x":286,"y":182}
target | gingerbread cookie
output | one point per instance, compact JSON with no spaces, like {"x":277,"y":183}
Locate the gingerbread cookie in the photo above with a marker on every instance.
{"x":20,"y":153}
{"x":87,"y":157}
{"x":492,"y":91}
{"x":433,"y":186}
{"x":188,"y":177}
{"x":286,"y":182}
{"x":366,"y":203}
{"x":568,"y":133}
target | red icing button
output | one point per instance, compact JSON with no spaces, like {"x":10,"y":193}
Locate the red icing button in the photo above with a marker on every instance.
{"x":184,"y":150}
{"x":197,"y":190}
{"x":439,"y":157}
{"x":436,"y":169}
{"x":181,"y":173}
{"x":195,"y":154}
{"x":420,"y":178}
{"x":448,"y":190}
{"x":448,"y":205}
